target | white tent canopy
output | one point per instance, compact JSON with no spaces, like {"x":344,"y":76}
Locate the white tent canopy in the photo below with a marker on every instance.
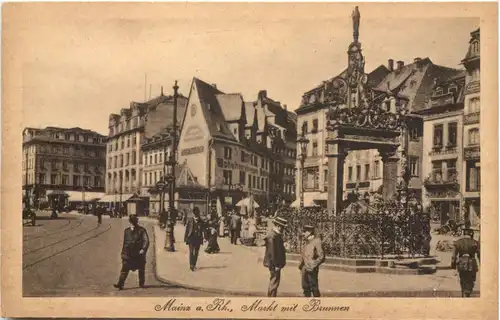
{"x":246,"y":203}
{"x":308,"y":202}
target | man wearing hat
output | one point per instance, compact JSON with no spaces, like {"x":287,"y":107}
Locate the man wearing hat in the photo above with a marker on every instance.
{"x":193,"y":237}
{"x":274,"y":258}
{"x":135,"y":247}
{"x":312,"y":257}
{"x":463,"y":258}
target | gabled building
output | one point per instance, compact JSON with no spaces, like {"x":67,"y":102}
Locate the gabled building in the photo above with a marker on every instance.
{"x":235,"y":148}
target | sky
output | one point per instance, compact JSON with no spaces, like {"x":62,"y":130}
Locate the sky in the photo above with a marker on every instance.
{"x":80,"y":64}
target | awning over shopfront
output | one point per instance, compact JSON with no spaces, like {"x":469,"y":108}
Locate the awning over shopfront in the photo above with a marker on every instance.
{"x":116,"y":197}
{"x":79,"y":196}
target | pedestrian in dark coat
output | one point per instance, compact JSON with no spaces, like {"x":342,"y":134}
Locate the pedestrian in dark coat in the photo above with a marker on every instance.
{"x":98,"y":212}
{"x":312,"y":257}
{"x":193,"y":237}
{"x":275,"y":256}
{"x":212,"y":227}
{"x":235,"y":227}
{"x":463,"y":258}
{"x":135,"y":247}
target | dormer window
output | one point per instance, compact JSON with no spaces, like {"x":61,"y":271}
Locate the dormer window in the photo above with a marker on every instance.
{"x":438,"y":91}
{"x":453,"y":90}
{"x":475,"y":47}
{"x":219,"y":127}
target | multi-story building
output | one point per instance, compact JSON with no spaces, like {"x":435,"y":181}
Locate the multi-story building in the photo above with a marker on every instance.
{"x":442,"y":148}
{"x":363,"y":169}
{"x":127,"y":131}
{"x":236,"y":148}
{"x":471,"y":180}
{"x":71,"y":161}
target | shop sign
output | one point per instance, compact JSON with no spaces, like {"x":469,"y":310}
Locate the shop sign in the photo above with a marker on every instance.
{"x":228,"y":164}
{"x":193,"y":150}
{"x":228,"y":200}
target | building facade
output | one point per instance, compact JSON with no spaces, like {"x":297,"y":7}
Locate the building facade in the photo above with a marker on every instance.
{"x":471,"y":180}
{"x":68,"y":160}
{"x":124,"y":158}
{"x":236,"y":148}
{"x":442,"y":150}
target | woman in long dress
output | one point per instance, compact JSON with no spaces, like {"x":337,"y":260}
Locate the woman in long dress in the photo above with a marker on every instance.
{"x":213,"y":225}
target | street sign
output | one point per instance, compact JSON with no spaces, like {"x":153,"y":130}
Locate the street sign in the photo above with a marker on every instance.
{"x":160,"y":185}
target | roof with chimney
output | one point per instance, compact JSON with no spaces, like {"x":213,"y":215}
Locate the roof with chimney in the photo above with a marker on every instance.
{"x":415,"y":81}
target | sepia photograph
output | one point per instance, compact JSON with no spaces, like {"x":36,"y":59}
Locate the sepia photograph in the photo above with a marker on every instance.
{"x":249,"y":153}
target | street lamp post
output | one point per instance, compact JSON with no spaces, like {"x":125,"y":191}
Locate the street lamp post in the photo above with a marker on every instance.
{"x":303,"y":142}
{"x":172,"y":216}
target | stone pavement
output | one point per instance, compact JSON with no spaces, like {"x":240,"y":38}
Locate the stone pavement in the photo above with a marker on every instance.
{"x":236,"y":270}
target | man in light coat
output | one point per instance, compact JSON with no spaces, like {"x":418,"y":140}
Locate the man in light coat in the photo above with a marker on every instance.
{"x":312,"y":257}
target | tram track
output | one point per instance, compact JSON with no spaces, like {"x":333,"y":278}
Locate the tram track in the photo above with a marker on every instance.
{"x":44,"y":234}
{"x":61,"y":240}
{"x":57,"y":252}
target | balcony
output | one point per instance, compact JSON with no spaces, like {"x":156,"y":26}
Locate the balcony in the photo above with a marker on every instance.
{"x":472,"y":152}
{"x":472,"y":118}
{"x":473,"y":87}
{"x":439,"y":150}
{"x":436,"y":180}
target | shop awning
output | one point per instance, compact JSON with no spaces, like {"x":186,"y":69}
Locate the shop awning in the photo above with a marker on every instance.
{"x":79,"y":196}
{"x":108,"y":198}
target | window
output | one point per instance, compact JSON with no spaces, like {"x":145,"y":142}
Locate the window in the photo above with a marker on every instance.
{"x":376,"y":169}
{"x":367,"y":172}
{"x":227,"y":153}
{"x":473,"y":176}
{"x":438,"y":136}
{"x":53,"y":179}
{"x":414,"y":133}
{"x":121,"y":160}
{"x":65,"y":180}
{"x":349,"y":174}
{"x":451,"y":169}
{"x":263,"y":186}
{"x":243,"y":156}
{"x":413,"y":166}
{"x":475,"y":47}
{"x":474,"y":136}
{"x":254,"y":181}
{"x":65,"y":165}
{"x":133,"y":157}
{"x":97,"y":181}
{"x":258,"y":183}
{"x":150,"y":178}
{"x":122,"y":142}
{"x":315,"y":148}
{"x":315,"y":126}
{"x":437,"y":171}
{"x":115,"y":162}
{"x":452,"y":134}
{"x":358,"y":173}
{"x":66,"y":150}
{"x":304,"y":127}
{"x":156,"y":158}
{"x":474,"y":105}
{"x":53,"y":164}
{"x":66,"y":136}
{"x":228,"y":177}
{"x":150,"y":159}
{"x":86,"y":167}
{"x":134,"y":142}
{"x":86,"y":181}
{"x":242,"y":177}
{"x":76,"y":180}
{"x":250,"y":181}
{"x":128,"y":141}
{"x":41,"y":178}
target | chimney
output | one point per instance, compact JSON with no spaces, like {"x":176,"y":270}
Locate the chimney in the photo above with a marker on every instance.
{"x":401,"y":64}
{"x":285,"y":107}
{"x":214,"y":85}
{"x":417,"y":60}
{"x":390,"y":65}
{"x":262,"y":94}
